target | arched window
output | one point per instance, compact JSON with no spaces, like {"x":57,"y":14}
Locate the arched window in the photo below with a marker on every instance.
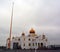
{"x":24,"y":44}
{"x":36,"y":44}
{"x":29,"y":39}
{"x":19,"y":39}
{"x":29,"y":44}
{"x":33,"y":44}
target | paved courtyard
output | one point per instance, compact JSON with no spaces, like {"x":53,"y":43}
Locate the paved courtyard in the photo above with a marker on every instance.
{"x":29,"y":50}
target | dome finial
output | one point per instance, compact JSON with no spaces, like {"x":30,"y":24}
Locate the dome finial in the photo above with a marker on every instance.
{"x":32,"y":30}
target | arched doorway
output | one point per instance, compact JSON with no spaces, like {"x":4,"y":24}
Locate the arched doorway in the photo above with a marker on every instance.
{"x":41,"y":44}
{"x":15,"y":45}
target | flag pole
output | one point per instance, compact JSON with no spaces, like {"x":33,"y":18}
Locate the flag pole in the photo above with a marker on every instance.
{"x":11,"y":24}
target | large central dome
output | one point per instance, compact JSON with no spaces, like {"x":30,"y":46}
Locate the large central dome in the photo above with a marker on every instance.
{"x":32,"y":30}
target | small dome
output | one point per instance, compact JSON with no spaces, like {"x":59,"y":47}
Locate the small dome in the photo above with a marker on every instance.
{"x":32,"y":30}
{"x":43,"y":36}
{"x":23,"y":34}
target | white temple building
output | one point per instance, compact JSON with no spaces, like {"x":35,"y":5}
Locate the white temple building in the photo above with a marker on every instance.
{"x":30,"y":41}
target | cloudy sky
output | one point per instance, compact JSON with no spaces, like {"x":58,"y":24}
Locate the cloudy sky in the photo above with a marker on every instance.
{"x":42,"y":15}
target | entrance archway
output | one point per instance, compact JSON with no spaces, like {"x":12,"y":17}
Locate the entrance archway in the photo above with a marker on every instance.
{"x":15,"y":45}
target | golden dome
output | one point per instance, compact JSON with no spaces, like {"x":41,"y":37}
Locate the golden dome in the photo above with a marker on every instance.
{"x":32,"y":30}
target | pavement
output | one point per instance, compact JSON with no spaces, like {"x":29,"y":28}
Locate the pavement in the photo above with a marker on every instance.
{"x":29,"y":50}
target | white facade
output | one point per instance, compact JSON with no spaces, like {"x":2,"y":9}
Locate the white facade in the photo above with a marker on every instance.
{"x":31,"y":41}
